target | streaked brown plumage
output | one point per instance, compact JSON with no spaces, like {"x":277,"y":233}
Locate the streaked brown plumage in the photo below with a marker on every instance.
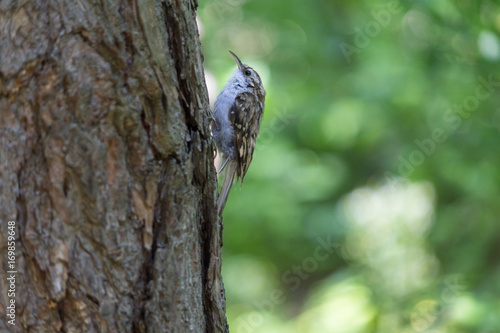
{"x":238,"y":113}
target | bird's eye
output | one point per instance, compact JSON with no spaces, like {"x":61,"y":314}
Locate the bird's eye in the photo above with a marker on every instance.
{"x":248,"y":72}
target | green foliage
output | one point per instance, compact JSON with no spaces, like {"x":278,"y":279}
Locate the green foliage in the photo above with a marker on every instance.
{"x":373,"y":198}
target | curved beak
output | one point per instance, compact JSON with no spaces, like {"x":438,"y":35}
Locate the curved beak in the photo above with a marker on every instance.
{"x":238,"y":61}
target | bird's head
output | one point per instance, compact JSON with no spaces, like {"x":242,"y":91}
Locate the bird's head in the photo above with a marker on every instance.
{"x":246,"y":75}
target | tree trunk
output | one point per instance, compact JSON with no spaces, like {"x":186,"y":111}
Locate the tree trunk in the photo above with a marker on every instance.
{"x":106,"y":169}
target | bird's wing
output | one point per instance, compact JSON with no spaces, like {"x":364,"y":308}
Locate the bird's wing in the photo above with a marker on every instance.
{"x":245,"y":116}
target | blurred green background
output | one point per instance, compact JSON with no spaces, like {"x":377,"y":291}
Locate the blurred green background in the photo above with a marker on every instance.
{"x":372,"y":201}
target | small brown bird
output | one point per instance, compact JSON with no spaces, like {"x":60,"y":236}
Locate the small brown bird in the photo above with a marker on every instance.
{"x":238,"y":111}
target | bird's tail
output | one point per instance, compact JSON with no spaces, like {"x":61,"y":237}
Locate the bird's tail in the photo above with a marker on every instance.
{"x":231,"y":167}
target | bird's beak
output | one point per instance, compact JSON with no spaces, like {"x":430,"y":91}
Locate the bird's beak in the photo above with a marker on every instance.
{"x":238,"y":61}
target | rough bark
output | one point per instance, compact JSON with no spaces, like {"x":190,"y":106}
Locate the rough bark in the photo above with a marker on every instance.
{"x":106,"y":168}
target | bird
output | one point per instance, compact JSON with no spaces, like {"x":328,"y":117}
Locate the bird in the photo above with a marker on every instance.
{"x":238,"y":112}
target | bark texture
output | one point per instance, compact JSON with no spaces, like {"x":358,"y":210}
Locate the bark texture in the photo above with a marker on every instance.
{"x":106,"y":165}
